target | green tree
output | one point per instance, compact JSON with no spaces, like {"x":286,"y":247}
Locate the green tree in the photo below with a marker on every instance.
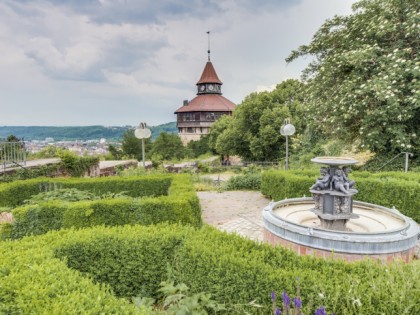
{"x":50,"y":151}
{"x":117,"y":154}
{"x":131,"y":146}
{"x":216,"y":130}
{"x":197,"y":148}
{"x":12,"y":138}
{"x":254,"y":130}
{"x":168,"y":147}
{"x":364,"y":81}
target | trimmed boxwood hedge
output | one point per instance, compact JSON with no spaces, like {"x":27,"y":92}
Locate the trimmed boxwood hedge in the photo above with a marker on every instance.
{"x":13,"y":194}
{"x":181,"y":205}
{"x":390,"y":189}
{"x":132,"y":260}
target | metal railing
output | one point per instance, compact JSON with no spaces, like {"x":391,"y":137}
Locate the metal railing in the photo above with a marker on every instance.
{"x":12,"y":153}
{"x":407,"y":155}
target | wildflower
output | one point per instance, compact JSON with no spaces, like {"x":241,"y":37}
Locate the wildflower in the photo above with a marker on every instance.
{"x":277,"y":311}
{"x":286,"y":298}
{"x":273,"y":296}
{"x":298,"y":302}
{"x":321,"y":311}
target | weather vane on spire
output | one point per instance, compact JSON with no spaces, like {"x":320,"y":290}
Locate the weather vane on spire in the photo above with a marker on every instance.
{"x":208,"y":50}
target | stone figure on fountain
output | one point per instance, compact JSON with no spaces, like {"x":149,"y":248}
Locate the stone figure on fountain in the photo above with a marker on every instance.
{"x":324,"y":181}
{"x":339,"y":183}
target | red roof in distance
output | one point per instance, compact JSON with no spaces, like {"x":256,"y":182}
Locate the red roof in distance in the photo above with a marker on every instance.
{"x":207,"y":103}
{"x":209,"y":75}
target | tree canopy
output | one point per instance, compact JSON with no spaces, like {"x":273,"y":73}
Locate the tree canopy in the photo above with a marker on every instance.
{"x":363,"y":83}
{"x":131,"y":146}
{"x":253,"y":132}
{"x":168,"y":146}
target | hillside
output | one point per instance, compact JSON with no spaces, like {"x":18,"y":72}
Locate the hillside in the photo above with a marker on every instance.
{"x":78,"y":132}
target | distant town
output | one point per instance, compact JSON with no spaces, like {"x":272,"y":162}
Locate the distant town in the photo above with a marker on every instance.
{"x":82,"y":140}
{"x":80,"y":147}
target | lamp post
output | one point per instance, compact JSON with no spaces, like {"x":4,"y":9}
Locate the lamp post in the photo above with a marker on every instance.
{"x":287,"y":130}
{"x":142,"y":132}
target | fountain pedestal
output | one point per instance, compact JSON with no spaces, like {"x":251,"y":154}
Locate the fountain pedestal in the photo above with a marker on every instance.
{"x":333,"y":193}
{"x":333,"y":208}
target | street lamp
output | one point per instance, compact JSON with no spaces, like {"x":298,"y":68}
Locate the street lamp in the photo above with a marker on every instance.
{"x":287,"y":130}
{"x":142,"y":132}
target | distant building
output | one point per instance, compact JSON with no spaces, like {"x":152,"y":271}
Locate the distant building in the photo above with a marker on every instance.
{"x":195,"y":117}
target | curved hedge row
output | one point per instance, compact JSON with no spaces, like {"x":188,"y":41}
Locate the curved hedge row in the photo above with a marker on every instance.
{"x":132,"y":260}
{"x":181,"y":205}
{"x":383,"y":189}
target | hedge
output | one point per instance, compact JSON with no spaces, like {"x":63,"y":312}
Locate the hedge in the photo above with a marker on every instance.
{"x":13,"y":194}
{"x":180,"y":206}
{"x":401,"y":191}
{"x":132,"y":260}
{"x":236,"y":270}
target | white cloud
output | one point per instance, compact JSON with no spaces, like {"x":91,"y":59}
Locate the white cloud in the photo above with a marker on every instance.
{"x":105,"y":62}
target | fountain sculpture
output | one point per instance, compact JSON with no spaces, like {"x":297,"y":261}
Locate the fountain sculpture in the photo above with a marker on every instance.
{"x":331,"y":223}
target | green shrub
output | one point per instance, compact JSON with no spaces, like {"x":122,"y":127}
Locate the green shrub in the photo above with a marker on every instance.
{"x":34,"y":282}
{"x":65,"y":194}
{"x":132,"y":261}
{"x":180,"y":206}
{"x":235,"y":270}
{"x":390,"y":189}
{"x":75,"y":165}
{"x":13,"y":194}
{"x":251,"y":181}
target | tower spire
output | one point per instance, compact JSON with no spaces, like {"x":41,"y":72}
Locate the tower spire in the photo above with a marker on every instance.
{"x":208,"y":38}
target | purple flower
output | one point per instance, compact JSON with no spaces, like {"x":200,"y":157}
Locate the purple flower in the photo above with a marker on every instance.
{"x":321,"y":311}
{"x":286,"y":299}
{"x":298,"y":302}
{"x":273,"y":296}
{"x":277,"y":311}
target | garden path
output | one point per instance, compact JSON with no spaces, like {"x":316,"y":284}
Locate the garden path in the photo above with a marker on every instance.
{"x":235,"y":211}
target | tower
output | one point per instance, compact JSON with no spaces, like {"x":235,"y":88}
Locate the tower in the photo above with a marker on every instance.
{"x":195,"y":117}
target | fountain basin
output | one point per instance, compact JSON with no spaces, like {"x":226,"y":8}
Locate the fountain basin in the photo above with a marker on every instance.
{"x":375,"y":231}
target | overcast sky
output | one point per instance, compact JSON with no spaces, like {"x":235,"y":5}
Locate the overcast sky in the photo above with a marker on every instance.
{"x":120,"y":62}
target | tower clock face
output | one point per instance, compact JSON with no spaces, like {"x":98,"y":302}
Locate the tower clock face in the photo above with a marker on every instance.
{"x":211,"y":87}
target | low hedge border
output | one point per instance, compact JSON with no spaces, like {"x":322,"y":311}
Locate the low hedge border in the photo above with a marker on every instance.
{"x":13,"y":194}
{"x":132,"y":260}
{"x":180,"y":206}
{"x":390,"y":189}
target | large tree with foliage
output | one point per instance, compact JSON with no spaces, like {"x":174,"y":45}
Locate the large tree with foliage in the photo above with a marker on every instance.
{"x":131,"y":146}
{"x":254,"y":130}
{"x":364,"y":81}
{"x":168,"y":146}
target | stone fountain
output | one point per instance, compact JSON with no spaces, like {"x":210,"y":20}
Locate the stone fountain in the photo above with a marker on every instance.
{"x":331,"y":223}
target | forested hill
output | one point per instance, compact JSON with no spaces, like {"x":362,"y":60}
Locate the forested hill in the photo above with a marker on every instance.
{"x":78,"y":132}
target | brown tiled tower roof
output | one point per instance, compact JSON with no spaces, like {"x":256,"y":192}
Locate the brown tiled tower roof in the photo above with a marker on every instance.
{"x":208,"y":103}
{"x":209,"y":75}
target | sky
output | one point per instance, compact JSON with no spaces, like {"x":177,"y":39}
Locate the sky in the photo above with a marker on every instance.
{"x":122,"y":62}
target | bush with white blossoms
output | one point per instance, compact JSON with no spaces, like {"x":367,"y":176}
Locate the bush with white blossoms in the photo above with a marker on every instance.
{"x":365,"y":75}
